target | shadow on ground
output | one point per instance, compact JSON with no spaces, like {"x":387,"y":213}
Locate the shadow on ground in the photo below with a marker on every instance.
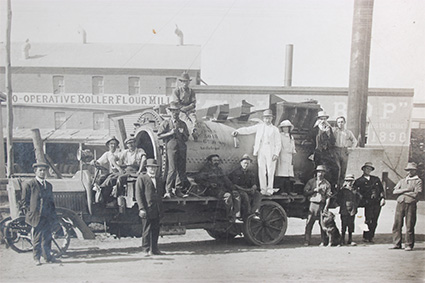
{"x":236,"y":245}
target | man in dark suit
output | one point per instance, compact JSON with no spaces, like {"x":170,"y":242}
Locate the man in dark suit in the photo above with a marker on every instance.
{"x":40,"y":210}
{"x":149,"y":191}
{"x":175,"y":134}
{"x":373,"y":198}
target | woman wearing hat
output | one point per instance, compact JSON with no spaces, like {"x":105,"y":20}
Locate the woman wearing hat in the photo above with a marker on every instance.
{"x":266,"y":147}
{"x":284,"y":167}
{"x":408,"y":190}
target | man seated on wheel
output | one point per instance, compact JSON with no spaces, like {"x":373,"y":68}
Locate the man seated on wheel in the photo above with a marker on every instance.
{"x":109,"y":160}
{"x":37,"y":200}
{"x":218,"y":185}
{"x":245,"y":181}
{"x":133,"y":161}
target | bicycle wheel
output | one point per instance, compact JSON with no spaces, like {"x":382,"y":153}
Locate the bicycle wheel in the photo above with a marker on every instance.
{"x":18,"y":235}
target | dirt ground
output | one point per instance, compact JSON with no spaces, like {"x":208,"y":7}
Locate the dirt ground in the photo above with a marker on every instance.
{"x":195,"y":257}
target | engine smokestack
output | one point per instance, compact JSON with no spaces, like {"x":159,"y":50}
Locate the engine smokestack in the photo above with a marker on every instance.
{"x":288,"y":64}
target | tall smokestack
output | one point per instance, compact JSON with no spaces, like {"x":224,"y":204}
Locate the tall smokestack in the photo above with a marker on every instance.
{"x":359,"y":69}
{"x":288,"y":64}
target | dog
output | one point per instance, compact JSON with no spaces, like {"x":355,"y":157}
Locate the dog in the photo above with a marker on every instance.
{"x":329,"y":226}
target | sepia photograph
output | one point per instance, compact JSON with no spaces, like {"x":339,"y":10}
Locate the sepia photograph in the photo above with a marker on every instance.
{"x":212,"y":141}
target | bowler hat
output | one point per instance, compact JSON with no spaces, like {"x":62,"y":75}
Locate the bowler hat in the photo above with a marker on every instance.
{"x":151,"y":163}
{"x":129,"y":139}
{"x":245,"y":157}
{"x":349,"y":177}
{"x":321,"y":168}
{"x":411,"y":166}
{"x":267,"y":113}
{"x":113,"y":138}
{"x":173,"y":106}
{"x":368,"y":164}
{"x":286,"y":123}
{"x":185,"y":77}
{"x":40,"y":164}
{"x":322,"y":114}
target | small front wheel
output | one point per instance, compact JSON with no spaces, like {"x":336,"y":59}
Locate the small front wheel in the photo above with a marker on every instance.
{"x":269,"y":228}
{"x":18,"y":236}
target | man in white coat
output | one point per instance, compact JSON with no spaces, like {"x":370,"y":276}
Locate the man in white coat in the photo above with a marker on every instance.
{"x":266,"y":147}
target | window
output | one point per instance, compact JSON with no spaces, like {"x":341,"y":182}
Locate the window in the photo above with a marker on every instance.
{"x":58,"y":84}
{"x":97,"y":85}
{"x":98,"y":121}
{"x":133,"y":85}
{"x":60,"y":120}
{"x":170,"y":85}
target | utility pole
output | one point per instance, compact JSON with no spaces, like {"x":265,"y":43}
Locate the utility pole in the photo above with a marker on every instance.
{"x":359,"y":69}
{"x":8,"y":72}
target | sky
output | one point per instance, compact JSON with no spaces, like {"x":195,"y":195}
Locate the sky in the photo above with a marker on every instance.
{"x":243,"y":41}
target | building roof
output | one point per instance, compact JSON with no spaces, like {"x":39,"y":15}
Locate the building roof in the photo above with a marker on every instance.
{"x":106,"y":55}
{"x":62,"y":136}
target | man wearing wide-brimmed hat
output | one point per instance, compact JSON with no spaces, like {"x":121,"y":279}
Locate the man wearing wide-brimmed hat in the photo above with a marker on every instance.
{"x":373,"y":198}
{"x":318,"y":191}
{"x":185,"y":99}
{"x":246,"y":181}
{"x":133,"y":160}
{"x":40,"y":210}
{"x":149,"y":191}
{"x":324,"y":152}
{"x":110,"y":160}
{"x":408,"y":190}
{"x":217,"y":184}
{"x":267,"y":147}
{"x":175,"y":134}
{"x":348,"y":199}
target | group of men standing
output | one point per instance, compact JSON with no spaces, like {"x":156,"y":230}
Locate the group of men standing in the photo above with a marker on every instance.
{"x":238,"y":191}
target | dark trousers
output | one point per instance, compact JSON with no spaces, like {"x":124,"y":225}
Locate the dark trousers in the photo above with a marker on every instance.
{"x":42,"y":239}
{"x":232,"y":202}
{"x":371,"y":211}
{"x":347,"y":223}
{"x":407,"y":211}
{"x":315,"y":213}
{"x":150,"y":235}
{"x":176,"y":174}
{"x":250,"y":202}
{"x":341,"y":158}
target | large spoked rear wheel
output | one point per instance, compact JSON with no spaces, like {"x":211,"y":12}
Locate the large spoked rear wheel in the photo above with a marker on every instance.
{"x":271,"y":226}
{"x":18,"y":236}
